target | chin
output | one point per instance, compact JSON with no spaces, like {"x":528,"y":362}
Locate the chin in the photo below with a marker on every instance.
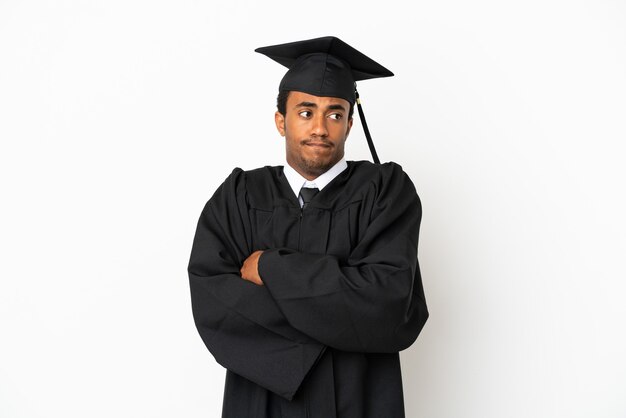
{"x":316,"y":167}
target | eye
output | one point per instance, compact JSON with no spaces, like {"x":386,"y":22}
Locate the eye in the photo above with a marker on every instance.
{"x":336,"y":116}
{"x":305,"y":113}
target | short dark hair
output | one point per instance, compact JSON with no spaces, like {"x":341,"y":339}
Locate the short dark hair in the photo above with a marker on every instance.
{"x":281,"y":103}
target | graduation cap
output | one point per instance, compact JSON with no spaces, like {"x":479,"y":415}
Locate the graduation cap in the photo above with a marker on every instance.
{"x":326,"y":67}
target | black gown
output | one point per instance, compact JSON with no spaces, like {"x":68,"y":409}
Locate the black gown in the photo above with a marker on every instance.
{"x":342,"y":292}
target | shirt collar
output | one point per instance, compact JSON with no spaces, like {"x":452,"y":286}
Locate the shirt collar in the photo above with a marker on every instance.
{"x":296,"y":181}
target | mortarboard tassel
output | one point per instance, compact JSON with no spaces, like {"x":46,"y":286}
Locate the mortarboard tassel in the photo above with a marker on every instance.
{"x":370,"y":143}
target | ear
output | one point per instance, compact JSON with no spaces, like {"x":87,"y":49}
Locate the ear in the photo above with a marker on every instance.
{"x":279,"y":119}
{"x":349,"y":127}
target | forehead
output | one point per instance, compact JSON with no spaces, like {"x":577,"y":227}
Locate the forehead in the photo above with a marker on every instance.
{"x":297,"y":97}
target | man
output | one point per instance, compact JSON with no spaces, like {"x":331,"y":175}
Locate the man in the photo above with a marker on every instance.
{"x":304,"y":279}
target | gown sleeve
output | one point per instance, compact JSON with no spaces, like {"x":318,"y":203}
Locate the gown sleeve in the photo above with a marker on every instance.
{"x":373,"y":302}
{"x":239,"y":322}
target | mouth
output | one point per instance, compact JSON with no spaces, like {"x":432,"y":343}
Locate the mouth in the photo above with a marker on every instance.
{"x":317,"y":144}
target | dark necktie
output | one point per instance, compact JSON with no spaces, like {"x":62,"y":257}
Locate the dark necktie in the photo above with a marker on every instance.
{"x":307,"y":195}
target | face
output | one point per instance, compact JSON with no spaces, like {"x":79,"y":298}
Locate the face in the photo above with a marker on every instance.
{"x":315,"y":130}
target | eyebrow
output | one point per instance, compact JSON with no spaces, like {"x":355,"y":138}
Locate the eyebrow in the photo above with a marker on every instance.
{"x":306,"y":104}
{"x":311,"y":104}
{"x":337,"y":107}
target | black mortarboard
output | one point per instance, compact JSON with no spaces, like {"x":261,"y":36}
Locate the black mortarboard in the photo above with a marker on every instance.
{"x":326,"y":67}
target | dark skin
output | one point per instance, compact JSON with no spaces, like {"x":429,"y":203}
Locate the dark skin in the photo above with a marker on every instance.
{"x":315,"y":130}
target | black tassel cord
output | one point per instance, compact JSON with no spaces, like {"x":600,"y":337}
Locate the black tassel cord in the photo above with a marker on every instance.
{"x":370,"y":143}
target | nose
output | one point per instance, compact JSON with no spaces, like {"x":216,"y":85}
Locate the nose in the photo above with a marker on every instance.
{"x":319,"y":127}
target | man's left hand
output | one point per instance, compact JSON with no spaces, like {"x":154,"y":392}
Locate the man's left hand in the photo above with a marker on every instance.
{"x":250,"y":269}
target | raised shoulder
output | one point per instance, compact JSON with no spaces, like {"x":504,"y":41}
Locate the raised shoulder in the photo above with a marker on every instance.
{"x":391,"y":187}
{"x":395,"y":182}
{"x":240,"y":179}
{"x":383,"y":177}
{"x":391,"y":169}
{"x":258,"y":176}
{"x":228,"y":189}
{"x":367,"y":168}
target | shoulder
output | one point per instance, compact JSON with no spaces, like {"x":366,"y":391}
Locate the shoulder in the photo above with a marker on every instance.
{"x":381,"y":176}
{"x":389,"y":186}
{"x":240,"y":178}
{"x":228,"y":191}
{"x":245,"y":185}
{"x":261,"y":176}
{"x":364,"y":167}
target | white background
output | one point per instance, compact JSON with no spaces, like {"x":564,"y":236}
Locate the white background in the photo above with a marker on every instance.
{"x":118,"y":119}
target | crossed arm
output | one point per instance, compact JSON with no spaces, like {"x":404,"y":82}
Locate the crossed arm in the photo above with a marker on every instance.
{"x":274,"y":332}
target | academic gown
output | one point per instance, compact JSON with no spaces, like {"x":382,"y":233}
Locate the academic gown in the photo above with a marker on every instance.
{"x":342,"y":292}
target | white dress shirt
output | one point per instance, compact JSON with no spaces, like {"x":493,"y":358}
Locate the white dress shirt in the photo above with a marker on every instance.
{"x":296,"y":181}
